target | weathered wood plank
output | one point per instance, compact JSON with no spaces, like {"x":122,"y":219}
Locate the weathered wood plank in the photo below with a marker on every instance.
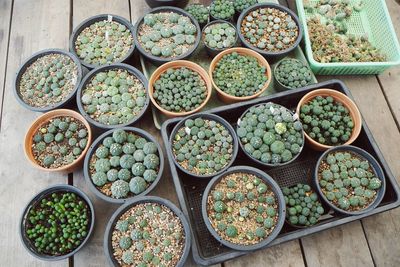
{"x":36,"y":25}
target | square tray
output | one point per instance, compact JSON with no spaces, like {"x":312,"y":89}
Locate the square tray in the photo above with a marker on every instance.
{"x":207,"y":250}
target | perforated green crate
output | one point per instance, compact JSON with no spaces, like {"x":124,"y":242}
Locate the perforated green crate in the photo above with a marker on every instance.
{"x":374,"y":20}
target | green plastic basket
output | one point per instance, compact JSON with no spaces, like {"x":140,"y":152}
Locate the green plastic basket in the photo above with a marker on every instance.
{"x":374,"y":20}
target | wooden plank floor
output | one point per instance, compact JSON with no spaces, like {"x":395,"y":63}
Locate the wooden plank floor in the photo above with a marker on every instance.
{"x":27,"y":26}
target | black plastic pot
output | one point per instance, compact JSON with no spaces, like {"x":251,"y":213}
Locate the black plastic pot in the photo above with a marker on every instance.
{"x":161,"y":60}
{"x":212,"y":52}
{"x":68,"y":100}
{"x":148,"y":199}
{"x":87,"y":22}
{"x":271,"y":184}
{"x":259,"y":161}
{"x":265,"y":53}
{"x":92,"y":150}
{"x":54,"y":188}
{"x":278,"y":85}
{"x":211,"y":117}
{"x":373,"y":163}
{"x":159,"y":3}
{"x":88,"y":78}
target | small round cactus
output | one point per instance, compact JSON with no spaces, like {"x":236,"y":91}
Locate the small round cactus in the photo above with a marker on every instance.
{"x":222,"y":9}
{"x":219,"y":36}
{"x":293,"y":73}
{"x":199,"y":12}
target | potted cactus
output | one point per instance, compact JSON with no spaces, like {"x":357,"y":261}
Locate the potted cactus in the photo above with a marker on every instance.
{"x":166,"y":33}
{"x":200,"y":12}
{"x":243,"y":208}
{"x":219,"y":35}
{"x":203,"y":145}
{"x":222,"y":9}
{"x":148,"y":231}
{"x":349,"y":180}
{"x":241,"y":5}
{"x":270,"y":134}
{"x":48,"y":80}
{"x":57,"y":223}
{"x":291,"y":73}
{"x":160,"y":3}
{"x":103,"y":39}
{"x":113,"y":96}
{"x":123,"y":163}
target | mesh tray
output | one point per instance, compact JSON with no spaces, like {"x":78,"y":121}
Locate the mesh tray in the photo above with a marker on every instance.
{"x":207,"y":250}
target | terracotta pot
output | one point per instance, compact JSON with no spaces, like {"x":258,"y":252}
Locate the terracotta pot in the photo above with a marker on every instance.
{"x":243,"y":51}
{"x":179,"y":64}
{"x":339,"y":97}
{"x":42,"y":120}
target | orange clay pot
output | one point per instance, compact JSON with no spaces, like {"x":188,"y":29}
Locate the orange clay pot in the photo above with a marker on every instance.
{"x":44,"y":119}
{"x":179,"y":64}
{"x":243,"y":51}
{"x":339,"y":97}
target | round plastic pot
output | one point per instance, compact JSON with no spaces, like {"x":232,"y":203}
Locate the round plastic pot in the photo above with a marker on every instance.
{"x":160,"y":60}
{"x":209,"y":117}
{"x":86,"y":80}
{"x":99,"y":141}
{"x":34,"y":127}
{"x":271,"y":184}
{"x":226,"y":98}
{"x":259,"y":161}
{"x":265,"y":53}
{"x":54,"y":188}
{"x":179,"y":64}
{"x":87,"y":22}
{"x":108,"y":250}
{"x":339,"y":97}
{"x":68,"y":99}
{"x":212,"y":52}
{"x":160,"y":3}
{"x":374,"y":165}
{"x":278,"y":85}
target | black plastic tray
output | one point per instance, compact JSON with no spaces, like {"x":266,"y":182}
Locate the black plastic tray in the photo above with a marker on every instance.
{"x":206,"y":249}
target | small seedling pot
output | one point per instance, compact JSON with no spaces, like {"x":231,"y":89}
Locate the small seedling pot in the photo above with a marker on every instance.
{"x":89,"y":77}
{"x":226,"y":98}
{"x":339,"y":97}
{"x":160,"y":60}
{"x":87,"y":22}
{"x":44,"y":119}
{"x":68,"y":99}
{"x":375,"y":167}
{"x":92,"y":150}
{"x":52,"y":189}
{"x":212,"y":52}
{"x":278,"y":85}
{"x":270,"y":183}
{"x":108,"y":250}
{"x":179,"y":64}
{"x":160,"y":3}
{"x":210,"y":117}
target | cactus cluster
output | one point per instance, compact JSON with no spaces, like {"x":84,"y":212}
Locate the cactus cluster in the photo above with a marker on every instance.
{"x":239,"y":75}
{"x":293,"y":73}
{"x":270,"y":133}
{"x":327,"y":121}
{"x":222,"y":9}
{"x":124,"y":164}
{"x":199,"y":12}
{"x":148,"y":234}
{"x":219,"y":36}
{"x":203,"y":146}
{"x":103,"y":42}
{"x":59,"y":142}
{"x":242,"y":208}
{"x":241,"y":5}
{"x":48,"y":80}
{"x":57,"y":223}
{"x":269,"y":29}
{"x":180,"y":90}
{"x":303,"y":207}
{"x":114,"y":97}
{"x":167,"y":34}
{"x":348,"y":180}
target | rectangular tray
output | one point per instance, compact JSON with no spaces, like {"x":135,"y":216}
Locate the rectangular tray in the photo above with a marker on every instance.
{"x":207,"y":250}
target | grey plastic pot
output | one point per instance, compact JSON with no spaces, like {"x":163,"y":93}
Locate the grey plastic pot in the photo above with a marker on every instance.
{"x":212,"y":52}
{"x":271,"y":184}
{"x":373,"y":163}
{"x":91,"y":74}
{"x":147,"y":199}
{"x":89,"y":21}
{"x":278,"y":85}
{"x":159,"y":60}
{"x":68,"y":100}
{"x":210,"y":117}
{"x":160,"y":3}
{"x":265,"y":53}
{"x":92,"y":150}
{"x":49,"y":190}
